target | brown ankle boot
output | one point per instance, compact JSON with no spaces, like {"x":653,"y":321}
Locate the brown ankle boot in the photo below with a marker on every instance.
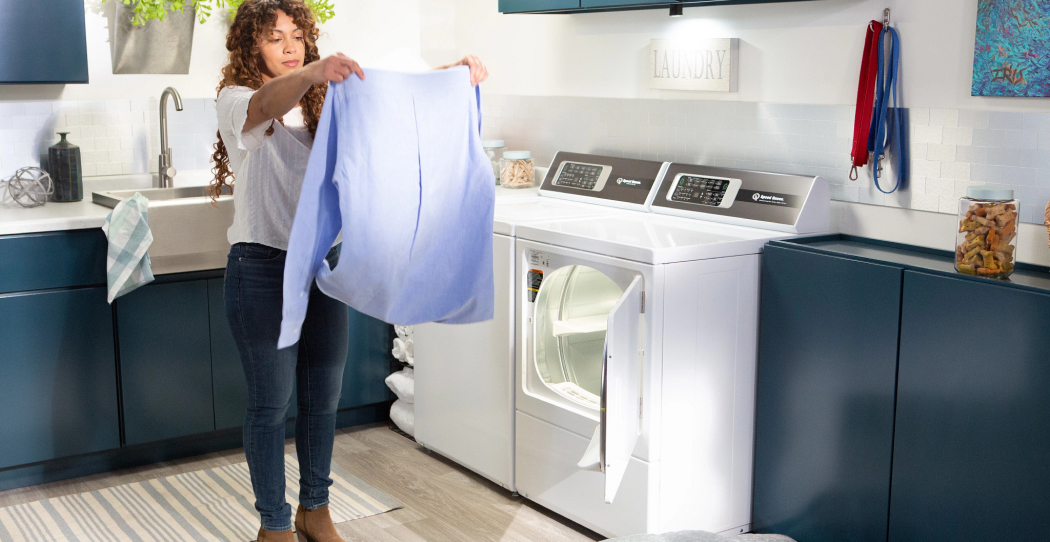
{"x":316,"y":525}
{"x":276,"y":536}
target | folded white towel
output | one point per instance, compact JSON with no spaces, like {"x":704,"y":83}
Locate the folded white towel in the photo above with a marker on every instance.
{"x":127,"y":262}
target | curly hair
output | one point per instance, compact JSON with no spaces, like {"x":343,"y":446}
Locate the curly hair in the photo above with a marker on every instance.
{"x":254,"y":20}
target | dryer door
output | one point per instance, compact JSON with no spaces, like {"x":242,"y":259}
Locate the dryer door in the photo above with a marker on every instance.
{"x":621,"y":397}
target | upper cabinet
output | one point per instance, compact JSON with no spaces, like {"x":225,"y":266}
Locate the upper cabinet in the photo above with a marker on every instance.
{"x":579,"y":6}
{"x":43,"y":41}
{"x":531,"y":6}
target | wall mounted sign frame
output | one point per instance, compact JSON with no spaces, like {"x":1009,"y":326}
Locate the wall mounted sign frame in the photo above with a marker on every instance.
{"x":709,"y":65}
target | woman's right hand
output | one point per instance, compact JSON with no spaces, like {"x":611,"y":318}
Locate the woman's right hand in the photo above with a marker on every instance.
{"x":335,"y":68}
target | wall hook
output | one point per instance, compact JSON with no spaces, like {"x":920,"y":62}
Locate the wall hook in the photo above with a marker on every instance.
{"x":886,"y":17}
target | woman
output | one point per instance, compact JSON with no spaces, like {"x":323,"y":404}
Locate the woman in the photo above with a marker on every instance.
{"x":269,"y":103}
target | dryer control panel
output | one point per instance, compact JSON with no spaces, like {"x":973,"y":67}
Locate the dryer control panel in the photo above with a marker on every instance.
{"x":603,"y":180}
{"x":704,"y":190}
{"x":790,"y":203}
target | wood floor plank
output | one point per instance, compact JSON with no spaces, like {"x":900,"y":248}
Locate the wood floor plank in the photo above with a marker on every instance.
{"x":443,"y":501}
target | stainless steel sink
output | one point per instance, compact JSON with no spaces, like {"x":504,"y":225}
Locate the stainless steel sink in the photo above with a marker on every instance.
{"x":189,"y":229}
{"x":111,"y":198}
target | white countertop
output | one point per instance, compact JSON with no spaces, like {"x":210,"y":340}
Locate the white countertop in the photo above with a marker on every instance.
{"x":58,"y":216}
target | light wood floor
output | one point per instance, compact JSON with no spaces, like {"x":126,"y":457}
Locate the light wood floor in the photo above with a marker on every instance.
{"x":442,"y":500}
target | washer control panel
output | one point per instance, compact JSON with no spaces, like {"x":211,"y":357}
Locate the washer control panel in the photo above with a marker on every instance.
{"x":582,"y":176}
{"x":626,"y":183}
{"x":704,"y":190}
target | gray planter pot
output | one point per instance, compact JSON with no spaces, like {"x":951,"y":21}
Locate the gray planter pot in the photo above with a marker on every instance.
{"x":156,"y":47}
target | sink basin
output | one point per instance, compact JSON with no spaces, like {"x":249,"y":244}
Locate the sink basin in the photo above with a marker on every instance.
{"x":111,"y":198}
{"x":189,"y":229}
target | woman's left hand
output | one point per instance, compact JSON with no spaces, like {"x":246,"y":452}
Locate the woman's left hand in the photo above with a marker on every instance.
{"x":478,"y":73}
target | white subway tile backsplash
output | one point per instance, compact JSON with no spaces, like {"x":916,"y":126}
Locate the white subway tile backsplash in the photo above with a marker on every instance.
{"x":958,"y":136}
{"x":948,"y":118}
{"x":1005,"y":120}
{"x":1018,"y":139}
{"x":917,"y":116}
{"x":941,"y":153}
{"x":949,"y":150}
{"x":973,"y":119}
{"x":1004,"y":157}
{"x":988,"y":137}
{"x":927,"y":134}
{"x":959,"y":171}
{"x":986,"y":173}
{"x":115,"y":136}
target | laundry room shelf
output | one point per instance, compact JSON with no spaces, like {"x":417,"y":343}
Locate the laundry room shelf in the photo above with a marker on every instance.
{"x":577,"y":326}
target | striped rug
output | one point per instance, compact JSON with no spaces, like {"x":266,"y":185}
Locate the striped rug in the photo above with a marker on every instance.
{"x":214,"y":504}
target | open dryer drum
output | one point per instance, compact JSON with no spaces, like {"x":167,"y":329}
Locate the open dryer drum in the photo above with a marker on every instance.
{"x":584,"y":335}
{"x":570,"y":322}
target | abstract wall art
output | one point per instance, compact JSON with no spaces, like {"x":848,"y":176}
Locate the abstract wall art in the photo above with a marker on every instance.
{"x":1012,"y":50}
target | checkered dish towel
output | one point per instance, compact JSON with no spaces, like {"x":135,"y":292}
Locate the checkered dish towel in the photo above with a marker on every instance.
{"x":127,"y":262}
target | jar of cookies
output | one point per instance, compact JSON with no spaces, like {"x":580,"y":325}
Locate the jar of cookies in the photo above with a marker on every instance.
{"x":987,"y":240}
{"x":516,"y":169}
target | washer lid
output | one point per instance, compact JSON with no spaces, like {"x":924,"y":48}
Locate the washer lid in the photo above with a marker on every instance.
{"x":510,"y":213}
{"x":649,"y":238}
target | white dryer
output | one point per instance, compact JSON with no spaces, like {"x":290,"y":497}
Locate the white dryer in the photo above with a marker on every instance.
{"x":464,"y":374}
{"x":636,"y":348}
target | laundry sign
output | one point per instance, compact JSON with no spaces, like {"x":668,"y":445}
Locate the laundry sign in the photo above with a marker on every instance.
{"x":701,"y":65}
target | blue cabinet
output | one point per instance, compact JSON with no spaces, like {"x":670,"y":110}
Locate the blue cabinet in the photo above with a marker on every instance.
{"x":229,"y":389}
{"x":973,"y":412}
{"x":35,"y":55}
{"x":37,"y":261}
{"x":580,"y":6}
{"x":58,"y":381}
{"x":826,"y":378}
{"x":525,"y":6}
{"x":165,"y":361}
{"x":612,"y":3}
{"x":367,"y":364}
{"x":948,"y":444}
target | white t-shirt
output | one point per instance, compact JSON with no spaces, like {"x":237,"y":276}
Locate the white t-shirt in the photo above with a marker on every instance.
{"x":268,"y":170}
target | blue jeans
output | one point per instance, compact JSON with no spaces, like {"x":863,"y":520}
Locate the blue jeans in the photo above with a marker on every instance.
{"x":254,"y":296}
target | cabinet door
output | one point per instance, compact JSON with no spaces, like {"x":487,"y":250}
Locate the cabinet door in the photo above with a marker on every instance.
{"x":228,"y":385}
{"x":523,"y":6}
{"x":826,"y":375}
{"x":973,"y":413}
{"x":58,"y":379}
{"x":367,"y":362}
{"x":612,"y":3}
{"x":165,"y":361}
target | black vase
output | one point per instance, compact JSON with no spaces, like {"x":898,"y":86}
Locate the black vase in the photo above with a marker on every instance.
{"x":63,"y":160}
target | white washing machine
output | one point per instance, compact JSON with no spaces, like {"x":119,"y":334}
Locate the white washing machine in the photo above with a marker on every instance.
{"x":637,"y":344}
{"x":464,"y":374}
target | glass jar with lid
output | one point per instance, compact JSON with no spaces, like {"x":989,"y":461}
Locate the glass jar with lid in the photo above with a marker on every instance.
{"x":494,"y":148}
{"x":986,"y":244}
{"x":516,"y":169}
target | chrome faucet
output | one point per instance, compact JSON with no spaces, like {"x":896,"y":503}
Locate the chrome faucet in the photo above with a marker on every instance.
{"x":166,"y":172}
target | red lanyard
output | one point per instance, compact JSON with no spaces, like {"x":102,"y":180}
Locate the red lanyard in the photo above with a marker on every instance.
{"x":869,"y":68}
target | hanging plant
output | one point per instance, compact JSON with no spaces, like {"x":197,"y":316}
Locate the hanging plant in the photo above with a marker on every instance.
{"x":156,"y":10}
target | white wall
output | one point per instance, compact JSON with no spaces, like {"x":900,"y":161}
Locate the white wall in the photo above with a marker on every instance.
{"x":799,"y":52}
{"x":363,"y":29}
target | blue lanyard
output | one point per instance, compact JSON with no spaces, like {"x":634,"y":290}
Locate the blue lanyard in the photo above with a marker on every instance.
{"x":885,"y":83}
